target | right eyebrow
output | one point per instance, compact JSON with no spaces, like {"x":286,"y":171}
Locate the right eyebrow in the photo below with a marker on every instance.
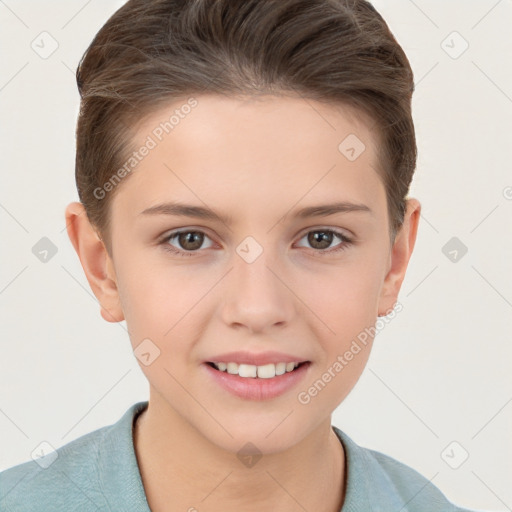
{"x":185,"y":210}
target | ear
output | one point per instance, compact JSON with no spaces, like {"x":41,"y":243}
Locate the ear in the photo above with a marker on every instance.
{"x":399,"y":257}
{"x":95,"y":260}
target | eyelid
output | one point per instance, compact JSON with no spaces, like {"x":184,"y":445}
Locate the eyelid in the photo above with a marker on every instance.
{"x":346,"y":233}
{"x":185,"y":229}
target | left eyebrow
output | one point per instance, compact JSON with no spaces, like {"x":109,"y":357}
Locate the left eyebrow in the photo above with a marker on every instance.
{"x":201,"y":212}
{"x":331,"y":209}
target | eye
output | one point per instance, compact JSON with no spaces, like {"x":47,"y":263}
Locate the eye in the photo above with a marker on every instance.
{"x":321,"y":239}
{"x":189,"y":242}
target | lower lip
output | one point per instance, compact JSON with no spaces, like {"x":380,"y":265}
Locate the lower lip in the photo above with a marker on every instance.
{"x":253,"y":388}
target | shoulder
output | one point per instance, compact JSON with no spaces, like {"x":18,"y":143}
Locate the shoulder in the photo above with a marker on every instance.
{"x":64,"y":478}
{"x":410,"y":484}
{"x":87,"y":474}
{"x":381,"y":478}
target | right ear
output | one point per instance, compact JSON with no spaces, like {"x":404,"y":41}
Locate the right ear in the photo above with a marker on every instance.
{"x":95,"y":260}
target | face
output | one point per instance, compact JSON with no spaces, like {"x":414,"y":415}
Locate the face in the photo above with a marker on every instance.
{"x":261,"y":277}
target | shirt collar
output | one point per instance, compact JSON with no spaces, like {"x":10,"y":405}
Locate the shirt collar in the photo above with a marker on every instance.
{"x":367,"y":485}
{"x":119,"y":473}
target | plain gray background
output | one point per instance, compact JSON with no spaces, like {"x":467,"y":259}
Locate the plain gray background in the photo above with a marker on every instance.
{"x":437,"y":388}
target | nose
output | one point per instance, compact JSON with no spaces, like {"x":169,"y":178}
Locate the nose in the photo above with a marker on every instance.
{"x":256,"y":293}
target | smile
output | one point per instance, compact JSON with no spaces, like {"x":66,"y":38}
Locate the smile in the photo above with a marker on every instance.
{"x":244,"y":381}
{"x":267,"y":371}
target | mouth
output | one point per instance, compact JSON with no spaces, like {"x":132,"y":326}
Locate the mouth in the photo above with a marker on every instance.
{"x":249,"y":371}
{"x":257,"y":383}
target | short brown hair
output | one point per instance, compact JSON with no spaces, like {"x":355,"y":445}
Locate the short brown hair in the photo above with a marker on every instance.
{"x":151,"y":52}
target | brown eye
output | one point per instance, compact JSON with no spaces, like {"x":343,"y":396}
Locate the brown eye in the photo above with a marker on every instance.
{"x":321,"y":240}
{"x":188,"y":242}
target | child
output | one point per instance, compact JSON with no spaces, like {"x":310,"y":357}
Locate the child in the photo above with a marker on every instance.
{"x":261,"y":128}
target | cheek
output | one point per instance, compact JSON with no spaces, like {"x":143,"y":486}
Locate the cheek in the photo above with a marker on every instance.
{"x":146,"y":299}
{"x":161,"y":324}
{"x":345,"y":304}
{"x":162,"y":304}
{"x":346,"y":296}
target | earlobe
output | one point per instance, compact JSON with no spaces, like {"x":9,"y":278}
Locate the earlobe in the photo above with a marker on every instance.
{"x":95,"y":260}
{"x":399,"y":257}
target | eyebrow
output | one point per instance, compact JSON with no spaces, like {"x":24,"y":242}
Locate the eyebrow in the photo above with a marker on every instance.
{"x":201,"y":212}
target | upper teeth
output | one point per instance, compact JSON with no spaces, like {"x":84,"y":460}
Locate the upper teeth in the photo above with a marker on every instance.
{"x":266,"y":371}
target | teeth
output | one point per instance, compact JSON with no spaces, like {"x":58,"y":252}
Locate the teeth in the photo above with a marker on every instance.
{"x":247,"y":370}
{"x":232,"y":368}
{"x":280,"y":368}
{"x":266,"y":371}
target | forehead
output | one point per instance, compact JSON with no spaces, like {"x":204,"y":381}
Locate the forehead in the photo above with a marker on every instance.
{"x":280,"y":123}
{"x":254,"y":152}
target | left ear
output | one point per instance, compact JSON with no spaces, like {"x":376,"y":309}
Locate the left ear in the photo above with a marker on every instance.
{"x":399,"y":257}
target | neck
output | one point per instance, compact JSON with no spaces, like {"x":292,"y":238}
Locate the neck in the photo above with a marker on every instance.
{"x":182,"y":470}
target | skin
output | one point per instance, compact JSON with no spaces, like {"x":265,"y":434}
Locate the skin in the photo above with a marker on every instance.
{"x":258,"y":161}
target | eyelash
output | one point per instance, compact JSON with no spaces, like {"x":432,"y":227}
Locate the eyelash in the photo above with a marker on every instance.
{"x":345,"y":242}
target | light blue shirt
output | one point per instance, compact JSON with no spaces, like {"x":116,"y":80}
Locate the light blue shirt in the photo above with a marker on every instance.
{"x":99,"y":472}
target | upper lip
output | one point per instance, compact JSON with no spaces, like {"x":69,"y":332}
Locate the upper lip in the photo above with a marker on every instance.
{"x":256,"y":358}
